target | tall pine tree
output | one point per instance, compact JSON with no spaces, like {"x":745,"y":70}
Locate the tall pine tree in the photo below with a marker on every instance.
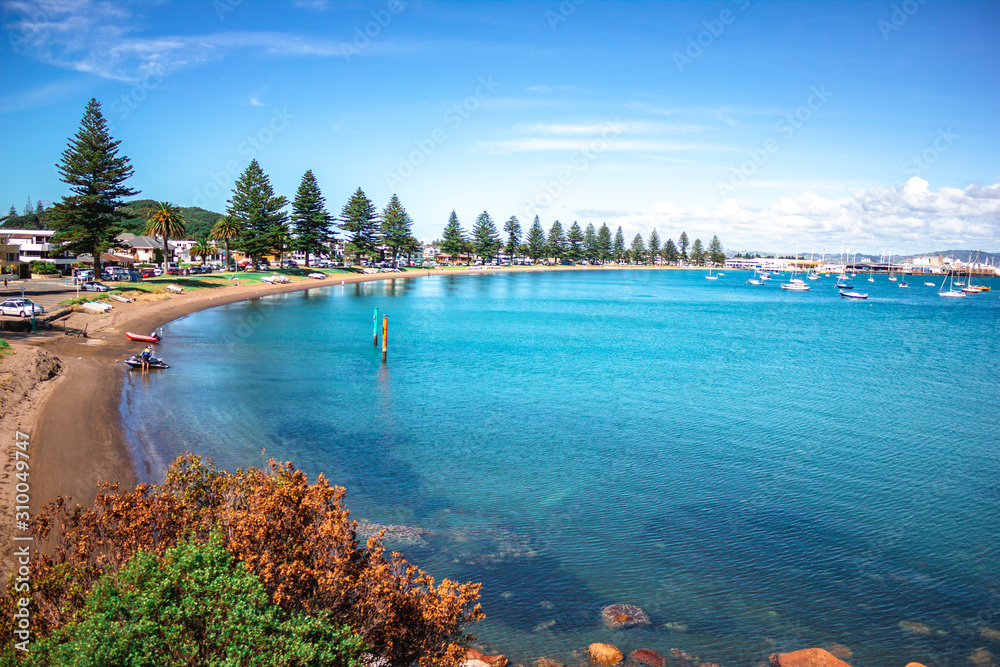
{"x":654,"y":245}
{"x":697,"y":252}
{"x":536,"y":240}
{"x":682,"y":244}
{"x":619,"y":249}
{"x":88,"y":220}
{"x":310,"y":219}
{"x":258,"y":211}
{"x":590,"y":243}
{"x":485,"y":237}
{"x":359,"y":220}
{"x":574,"y":242}
{"x":513,"y":229}
{"x":715,"y":251}
{"x":604,"y":246}
{"x":557,"y":241}
{"x":670,"y":253}
{"x":638,"y":250}
{"x":453,"y":242}
{"x":397,"y":229}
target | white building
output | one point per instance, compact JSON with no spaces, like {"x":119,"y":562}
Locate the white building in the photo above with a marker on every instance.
{"x":34,"y":245}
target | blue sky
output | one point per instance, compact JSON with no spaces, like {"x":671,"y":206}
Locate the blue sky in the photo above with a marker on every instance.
{"x":827,"y":125}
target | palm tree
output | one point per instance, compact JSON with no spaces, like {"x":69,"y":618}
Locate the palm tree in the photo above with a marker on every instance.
{"x":202,"y":248}
{"x":226,"y":228}
{"x":165,"y":220}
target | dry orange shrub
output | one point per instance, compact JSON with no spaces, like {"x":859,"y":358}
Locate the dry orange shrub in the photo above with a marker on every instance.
{"x":297,"y":537}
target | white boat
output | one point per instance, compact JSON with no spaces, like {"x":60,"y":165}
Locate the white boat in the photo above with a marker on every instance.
{"x":951,"y":292}
{"x":119,"y":297}
{"x":98,"y":306}
{"x":854,"y":295}
{"x":710,"y":276}
{"x":971,"y":290}
{"x":176,"y":289}
{"x":796,"y":286}
{"x":903,"y":284}
{"x":317,"y":275}
{"x":929,"y":284}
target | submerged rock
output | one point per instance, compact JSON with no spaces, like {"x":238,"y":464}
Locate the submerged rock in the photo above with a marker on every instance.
{"x":914,"y":628}
{"x":989,"y":633}
{"x":982,"y":658}
{"x":649,"y":657}
{"x":621,"y":616}
{"x":807,"y":657}
{"x":605,"y":654}
{"x":545,"y":662}
{"x":679,"y":627}
{"x":841,"y":651}
{"x":915,"y":664}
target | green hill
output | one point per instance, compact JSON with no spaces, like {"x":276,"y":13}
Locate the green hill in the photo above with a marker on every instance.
{"x":198,"y":221}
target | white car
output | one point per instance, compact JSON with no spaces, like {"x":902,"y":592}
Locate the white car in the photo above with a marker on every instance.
{"x":95,"y":286}
{"x":22,"y":307}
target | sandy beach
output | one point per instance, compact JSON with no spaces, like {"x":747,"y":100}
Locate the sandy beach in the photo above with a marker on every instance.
{"x":68,"y":389}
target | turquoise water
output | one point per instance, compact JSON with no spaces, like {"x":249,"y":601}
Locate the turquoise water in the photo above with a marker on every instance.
{"x":760,"y":470}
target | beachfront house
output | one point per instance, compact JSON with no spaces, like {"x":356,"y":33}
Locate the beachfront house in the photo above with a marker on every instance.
{"x":31,"y":245}
{"x":143,"y":249}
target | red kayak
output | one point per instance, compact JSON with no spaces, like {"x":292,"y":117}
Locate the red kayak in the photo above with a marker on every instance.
{"x":152,"y":338}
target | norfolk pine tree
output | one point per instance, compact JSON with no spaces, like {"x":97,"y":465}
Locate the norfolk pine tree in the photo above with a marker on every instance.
{"x":397,"y":228}
{"x":697,"y":252}
{"x":619,"y":248}
{"x":654,"y":245}
{"x":359,"y":220}
{"x":574,"y":242}
{"x":513,"y":229}
{"x":590,"y":243}
{"x":258,"y":212}
{"x":638,"y":249}
{"x":310,"y":219}
{"x":682,"y":243}
{"x":485,"y":237}
{"x":453,"y":241}
{"x":88,"y":220}
{"x":715,"y":251}
{"x":670,"y":253}
{"x":536,"y":241}
{"x":557,"y":241}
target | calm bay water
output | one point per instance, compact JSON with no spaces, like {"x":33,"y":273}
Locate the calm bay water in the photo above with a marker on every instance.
{"x":759,"y":470}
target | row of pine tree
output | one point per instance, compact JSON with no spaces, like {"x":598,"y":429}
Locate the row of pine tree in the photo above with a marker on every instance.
{"x":574,"y":244}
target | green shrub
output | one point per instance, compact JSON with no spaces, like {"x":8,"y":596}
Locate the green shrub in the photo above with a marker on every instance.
{"x":196,"y":605}
{"x":43,"y":267}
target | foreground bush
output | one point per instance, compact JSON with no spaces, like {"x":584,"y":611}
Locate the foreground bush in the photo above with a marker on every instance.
{"x":296,"y":538}
{"x":194,"y":606}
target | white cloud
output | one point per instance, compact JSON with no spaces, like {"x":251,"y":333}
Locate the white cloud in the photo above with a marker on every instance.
{"x":599,"y":142}
{"x":908,"y":217}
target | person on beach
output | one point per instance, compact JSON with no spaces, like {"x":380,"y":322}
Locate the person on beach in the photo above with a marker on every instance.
{"x":146,"y":353}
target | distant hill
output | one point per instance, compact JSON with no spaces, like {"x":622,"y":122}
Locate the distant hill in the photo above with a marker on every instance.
{"x":198,"y":221}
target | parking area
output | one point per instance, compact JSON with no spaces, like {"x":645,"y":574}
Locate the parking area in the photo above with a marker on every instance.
{"x":46,"y":293}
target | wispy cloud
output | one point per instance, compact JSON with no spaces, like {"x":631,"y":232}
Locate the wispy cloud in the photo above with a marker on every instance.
{"x":312,"y":5}
{"x":555,"y":89}
{"x":534,"y":144}
{"x":94,"y":37}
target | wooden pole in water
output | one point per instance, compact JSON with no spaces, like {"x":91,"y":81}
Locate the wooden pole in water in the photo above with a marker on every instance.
{"x":375,"y":329}
{"x":385,"y":336}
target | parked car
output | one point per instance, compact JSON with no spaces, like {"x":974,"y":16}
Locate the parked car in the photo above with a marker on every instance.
{"x":149,"y":273}
{"x":92,"y":285}
{"x":263,"y":266}
{"x":22,"y":307}
{"x":289,"y":264}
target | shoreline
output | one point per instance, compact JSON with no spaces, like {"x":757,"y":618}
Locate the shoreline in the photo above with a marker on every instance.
{"x":75,"y":423}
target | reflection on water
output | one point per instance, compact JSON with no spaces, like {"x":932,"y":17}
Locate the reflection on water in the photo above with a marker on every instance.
{"x":759,"y":470}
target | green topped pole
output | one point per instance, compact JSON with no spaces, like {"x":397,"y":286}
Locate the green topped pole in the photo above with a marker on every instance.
{"x":375,"y":329}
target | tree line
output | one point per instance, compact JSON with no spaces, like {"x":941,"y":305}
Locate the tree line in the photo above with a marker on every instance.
{"x":256,"y":221}
{"x":573,"y":244}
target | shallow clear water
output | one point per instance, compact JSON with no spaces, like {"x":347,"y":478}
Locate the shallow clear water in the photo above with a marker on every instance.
{"x":760,"y":470}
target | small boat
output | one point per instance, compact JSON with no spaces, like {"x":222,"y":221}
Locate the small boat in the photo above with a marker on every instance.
{"x":929,"y":285}
{"x":955,"y":294}
{"x":959,"y":282}
{"x":317,"y":275}
{"x":119,"y":297}
{"x":98,"y":306}
{"x":903,"y":284}
{"x":844,"y":283}
{"x":135,"y":361}
{"x":267,"y":279}
{"x":972,"y":289}
{"x":892,"y":279}
{"x":755,"y":281}
{"x":176,"y":289}
{"x":154,"y":337}
{"x":710,"y":276}
{"x":813,"y":276}
{"x":796,"y":286}
{"x":854,"y":295}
